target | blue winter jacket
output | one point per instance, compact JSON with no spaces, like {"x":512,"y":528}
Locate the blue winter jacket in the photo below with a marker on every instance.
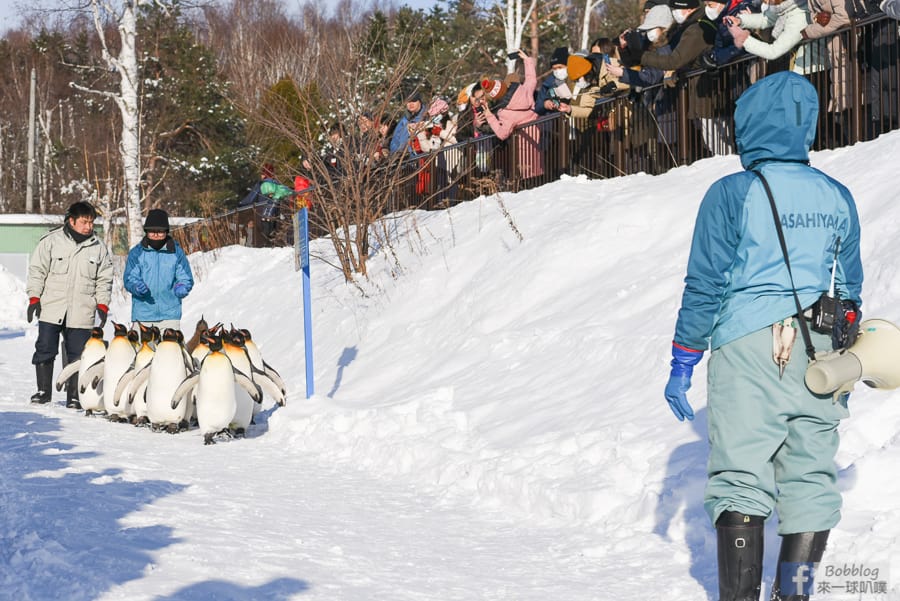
{"x":161,"y":270}
{"x":737,"y":281}
{"x":400,"y":140}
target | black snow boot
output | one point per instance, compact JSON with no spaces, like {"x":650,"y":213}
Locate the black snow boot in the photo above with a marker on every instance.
{"x":740,"y":554}
{"x":72,"y":393}
{"x":44,"y":373}
{"x":800,"y":553}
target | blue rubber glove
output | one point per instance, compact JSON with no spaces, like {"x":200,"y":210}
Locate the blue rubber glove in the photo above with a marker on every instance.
{"x":140,"y":288}
{"x":683,"y":362}
{"x":181,"y":290}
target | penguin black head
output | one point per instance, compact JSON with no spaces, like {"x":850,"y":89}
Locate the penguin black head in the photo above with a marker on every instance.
{"x":171,"y":335}
{"x":246,"y":333}
{"x":134,"y":337}
{"x":119,"y":329}
{"x":236,"y":337}
{"x":149,"y":334}
{"x":212,"y":341}
{"x":97,"y":333}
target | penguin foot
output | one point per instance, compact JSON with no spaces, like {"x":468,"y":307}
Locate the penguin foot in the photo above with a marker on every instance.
{"x":142,"y":422}
{"x":172,"y":429}
{"x":88,"y":412}
{"x":184,"y":426}
{"x":209,"y":438}
{"x":156,"y":427}
{"x":239,"y":432}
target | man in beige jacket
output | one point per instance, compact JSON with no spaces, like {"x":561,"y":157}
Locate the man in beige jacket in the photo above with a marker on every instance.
{"x":70,"y":279}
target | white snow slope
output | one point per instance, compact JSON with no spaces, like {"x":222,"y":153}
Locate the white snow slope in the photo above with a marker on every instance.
{"x":488,"y":422}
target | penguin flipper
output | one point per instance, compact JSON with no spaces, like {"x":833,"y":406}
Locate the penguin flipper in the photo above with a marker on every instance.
{"x":274,"y":376}
{"x":122,"y":386}
{"x":249,"y":385}
{"x":269,"y":386}
{"x":92,"y":374}
{"x":186,"y":386}
{"x":67,"y":372}
{"x":140,"y":377}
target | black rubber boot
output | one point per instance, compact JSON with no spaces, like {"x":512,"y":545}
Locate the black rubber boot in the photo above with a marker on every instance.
{"x":72,"y":393}
{"x":801,"y":551}
{"x":44,"y":373}
{"x":740,"y":554}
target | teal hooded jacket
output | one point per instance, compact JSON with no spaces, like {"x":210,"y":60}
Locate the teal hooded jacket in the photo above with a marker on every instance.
{"x":161,"y":270}
{"x":737,"y":281}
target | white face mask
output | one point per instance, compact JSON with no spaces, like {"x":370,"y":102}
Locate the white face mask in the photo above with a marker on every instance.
{"x":713,"y":13}
{"x":581,"y":83}
{"x":562,"y":73}
{"x":679,"y":15}
{"x":653,"y":35}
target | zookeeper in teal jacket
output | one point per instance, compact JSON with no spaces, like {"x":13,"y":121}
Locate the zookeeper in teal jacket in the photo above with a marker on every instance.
{"x":772,"y":441}
{"x":158,"y":275}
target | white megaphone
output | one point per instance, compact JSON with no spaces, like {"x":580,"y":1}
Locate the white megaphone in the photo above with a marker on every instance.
{"x":874,"y":358}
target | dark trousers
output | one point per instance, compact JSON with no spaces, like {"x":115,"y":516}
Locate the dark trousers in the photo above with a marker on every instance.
{"x":47,"y":345}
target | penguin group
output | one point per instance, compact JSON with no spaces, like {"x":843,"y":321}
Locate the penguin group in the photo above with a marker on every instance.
{"x":215,"y":381}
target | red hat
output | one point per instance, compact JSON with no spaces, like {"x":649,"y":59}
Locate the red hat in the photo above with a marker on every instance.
{"x":494,"y":88}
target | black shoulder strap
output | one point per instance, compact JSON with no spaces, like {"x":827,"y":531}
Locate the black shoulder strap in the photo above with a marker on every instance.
{"x":810,"y":349}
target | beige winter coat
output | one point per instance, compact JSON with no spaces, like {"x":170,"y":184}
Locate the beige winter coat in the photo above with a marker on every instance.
{"x":70,"y":279}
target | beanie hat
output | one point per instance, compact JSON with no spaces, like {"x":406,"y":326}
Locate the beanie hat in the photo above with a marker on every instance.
{"x":157,"y":220}
{"x":437,"y":107}
{"x":494,"y":88}
{"x":679,"y":4}
{"x":578,"y":66}
{"x":559,"y":56}
{"x":465,"y":94}
{"x":659,"y":16}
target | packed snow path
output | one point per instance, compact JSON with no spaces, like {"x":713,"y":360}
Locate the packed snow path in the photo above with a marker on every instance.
{"x":96,"y":510}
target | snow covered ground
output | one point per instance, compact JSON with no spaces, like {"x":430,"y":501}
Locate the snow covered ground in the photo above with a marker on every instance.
{"x":488,"y":422}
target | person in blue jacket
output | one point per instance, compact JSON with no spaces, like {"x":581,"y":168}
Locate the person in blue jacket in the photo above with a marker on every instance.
{"x":158,"y":275}
{"x":772,"y":441}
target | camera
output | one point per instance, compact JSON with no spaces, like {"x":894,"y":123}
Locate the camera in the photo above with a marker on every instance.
{"x":513,"y":55}
{"x":479,"y":109}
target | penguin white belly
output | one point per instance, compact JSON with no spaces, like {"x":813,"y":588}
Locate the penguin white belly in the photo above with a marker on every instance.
{"x":243,"y":414}
{"x":166,"y":372}
{"x":215,"y":394}
{"x":91,"y":399}
{"x":119,"y":358}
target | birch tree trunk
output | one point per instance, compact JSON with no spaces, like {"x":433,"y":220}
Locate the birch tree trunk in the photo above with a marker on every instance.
{"x":126,"y":99}
{"x":514,"y":23}
{"x":589,"y":6}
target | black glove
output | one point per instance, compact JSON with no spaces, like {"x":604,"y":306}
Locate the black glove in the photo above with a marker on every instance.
{"x":609,"y":88}
{"x":708,"y":60}
{"x":102,"y":312}
{"x":34,"y":308}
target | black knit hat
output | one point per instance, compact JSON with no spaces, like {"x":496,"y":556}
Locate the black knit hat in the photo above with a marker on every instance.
{"x":157,"y":220}
{"x":676,"y":4}
{"x":559,"y":56}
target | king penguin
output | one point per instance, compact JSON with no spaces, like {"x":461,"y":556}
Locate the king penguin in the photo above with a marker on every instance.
{"x":119,"y":357}
{"x":213,"y":388}
{"x":170,"y":365}
{"x":88,"y":367}
{"x":259,"y":363}
{"x":129,"y":392}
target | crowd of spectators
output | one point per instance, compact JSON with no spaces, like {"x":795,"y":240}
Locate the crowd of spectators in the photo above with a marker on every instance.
{"x":674,"y":37}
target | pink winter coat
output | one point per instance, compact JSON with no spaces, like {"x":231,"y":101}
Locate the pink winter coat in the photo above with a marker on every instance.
{"x":521,"y":110}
